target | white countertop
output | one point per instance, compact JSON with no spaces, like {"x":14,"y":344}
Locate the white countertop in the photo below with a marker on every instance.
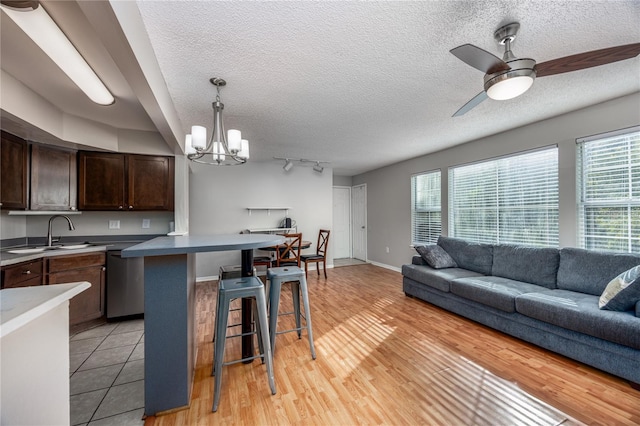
{"x":7,"y":259}
{"x":19,"y":306}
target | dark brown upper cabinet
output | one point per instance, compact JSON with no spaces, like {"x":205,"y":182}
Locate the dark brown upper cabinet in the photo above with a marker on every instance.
{"x":53,"y":179}
{"x":126,"y":182}
{"x":13,"y":172}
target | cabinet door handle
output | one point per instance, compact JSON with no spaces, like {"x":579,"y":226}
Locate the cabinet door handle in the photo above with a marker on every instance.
{"x":120,"y":207}
{"x":104,"y":268}
{"x":27,"y":272}
{"x":130,"y":207}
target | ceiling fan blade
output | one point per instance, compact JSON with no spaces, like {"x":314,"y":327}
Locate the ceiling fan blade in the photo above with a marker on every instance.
{"x":471,"y":104}
{"x":584,"y":60}
{"x":480,"y":59}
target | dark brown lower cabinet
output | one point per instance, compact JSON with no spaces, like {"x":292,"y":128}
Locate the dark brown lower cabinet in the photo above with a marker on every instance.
{"x":89,"y":267}
{"x":23,"y":274}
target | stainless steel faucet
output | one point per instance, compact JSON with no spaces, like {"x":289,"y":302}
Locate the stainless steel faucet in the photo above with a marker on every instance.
{"x":71,"y":227}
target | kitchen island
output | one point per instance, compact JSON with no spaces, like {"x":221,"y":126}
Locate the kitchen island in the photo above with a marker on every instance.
{"x":34,"y":354}
{"x":169,"y":303}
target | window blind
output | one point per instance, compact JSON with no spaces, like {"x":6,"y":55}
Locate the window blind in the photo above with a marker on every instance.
{"x":506,"y":200}
{"x":425,"y":208}
{"x":608,"y":176}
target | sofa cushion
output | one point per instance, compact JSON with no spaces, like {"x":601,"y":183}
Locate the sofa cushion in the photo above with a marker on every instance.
{"x":535,"y":265}
{"x":638,"y":309}
{"x":476,"y":257}
{"x":435,"y":256}
{"x":417,"y":260}
{"x":436,"y":278}
{"x":497,"y":292}
{"x":588,"y":271}
{"x":623,"y":292}
{"x":579,"y":312}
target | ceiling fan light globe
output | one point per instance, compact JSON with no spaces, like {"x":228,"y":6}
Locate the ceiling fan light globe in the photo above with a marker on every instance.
{"x":512,"y":83}
{"x":509,"y":88}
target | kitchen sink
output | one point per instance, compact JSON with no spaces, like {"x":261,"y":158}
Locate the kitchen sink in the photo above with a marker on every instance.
{"x":74,"y":246}
{"x":27,"y":250}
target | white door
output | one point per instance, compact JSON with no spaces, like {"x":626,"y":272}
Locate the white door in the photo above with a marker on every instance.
{"x":359,"y":220}
{"x":340,"y":239}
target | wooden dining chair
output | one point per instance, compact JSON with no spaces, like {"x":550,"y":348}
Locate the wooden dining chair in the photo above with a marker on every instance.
{"x":321,"y":254}
{"x":288,"y":253}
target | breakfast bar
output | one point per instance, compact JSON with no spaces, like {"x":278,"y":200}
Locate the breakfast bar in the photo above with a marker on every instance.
{"x":169,"y":306}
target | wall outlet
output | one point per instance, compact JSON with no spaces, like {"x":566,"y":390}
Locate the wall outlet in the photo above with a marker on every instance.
{"x":146,"y":223}
{"x":114,"y":224}
{"x":387,"y":249}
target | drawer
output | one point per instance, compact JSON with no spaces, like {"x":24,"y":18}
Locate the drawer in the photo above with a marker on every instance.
{"x":76,"y":261}
{"x":16,"y":275}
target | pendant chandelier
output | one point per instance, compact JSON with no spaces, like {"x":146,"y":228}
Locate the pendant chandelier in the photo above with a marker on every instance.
{"x":222,"y":149}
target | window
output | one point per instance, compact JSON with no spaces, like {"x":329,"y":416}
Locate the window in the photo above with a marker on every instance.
{"x":608,"y":175}
{"x":425,"y":208}
{"x":506,"y":200}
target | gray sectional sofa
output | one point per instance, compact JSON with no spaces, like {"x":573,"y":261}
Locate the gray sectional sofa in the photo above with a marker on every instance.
{"x":545,"y":296}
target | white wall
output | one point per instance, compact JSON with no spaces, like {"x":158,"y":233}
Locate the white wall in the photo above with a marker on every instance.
{"x":388,"y":188}
{"x":219,"y":197}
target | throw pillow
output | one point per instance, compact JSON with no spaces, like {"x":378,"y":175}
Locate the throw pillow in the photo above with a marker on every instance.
{"x":436,"y":257}
{"x":623,"y":292}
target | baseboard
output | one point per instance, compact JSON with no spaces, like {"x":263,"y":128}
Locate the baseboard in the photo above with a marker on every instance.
{"x":385,"y":266}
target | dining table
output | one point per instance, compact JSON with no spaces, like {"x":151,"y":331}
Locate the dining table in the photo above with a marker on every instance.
{"x":170,"y":341}
{"x":303,"y":245}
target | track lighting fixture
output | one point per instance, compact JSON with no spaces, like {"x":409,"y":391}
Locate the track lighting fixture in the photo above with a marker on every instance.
{"x":288,"y":163}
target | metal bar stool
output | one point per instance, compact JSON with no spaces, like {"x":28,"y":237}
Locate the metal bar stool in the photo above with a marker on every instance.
{"x":234,"y":288}
{"x":225,"y":272}
{"x":296,"y":276}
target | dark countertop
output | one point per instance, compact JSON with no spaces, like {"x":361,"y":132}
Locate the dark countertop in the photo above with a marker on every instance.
{"x":162,"y":246}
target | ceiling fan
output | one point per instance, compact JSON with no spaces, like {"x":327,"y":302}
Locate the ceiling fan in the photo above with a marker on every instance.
{"x":510,"y":76}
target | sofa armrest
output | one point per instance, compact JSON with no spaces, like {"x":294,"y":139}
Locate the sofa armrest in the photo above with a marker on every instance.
{"x":417,"y":260}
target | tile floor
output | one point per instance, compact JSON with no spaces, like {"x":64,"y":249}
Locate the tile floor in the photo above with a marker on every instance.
{"x":107,"y":375}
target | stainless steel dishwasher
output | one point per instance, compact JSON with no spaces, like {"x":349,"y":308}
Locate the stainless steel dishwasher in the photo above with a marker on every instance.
{"x":125,"y":285}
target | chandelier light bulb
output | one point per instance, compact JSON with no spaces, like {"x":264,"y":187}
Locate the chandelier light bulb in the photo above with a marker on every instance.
{"x":244,"y":150}
{"x":218,"y":152}
{"x":199,"y":137}
{"x":188,"y":145}
{"x":234,"y":139}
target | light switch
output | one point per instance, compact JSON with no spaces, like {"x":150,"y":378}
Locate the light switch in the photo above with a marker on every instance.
{"x":146,"y":223}
{"x":114,"y":224}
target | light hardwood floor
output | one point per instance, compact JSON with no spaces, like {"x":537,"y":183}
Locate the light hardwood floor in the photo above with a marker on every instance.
{"x":384,"y":358}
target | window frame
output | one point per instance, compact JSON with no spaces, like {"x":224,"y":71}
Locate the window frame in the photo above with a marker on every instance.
{"x":628,"y":205}
{"x":434,"y":226}
{"x":490,"y":177}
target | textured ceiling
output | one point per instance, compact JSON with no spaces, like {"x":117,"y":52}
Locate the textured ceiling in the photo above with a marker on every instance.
{"x":362,"y":84}
{"x":365,"y":84}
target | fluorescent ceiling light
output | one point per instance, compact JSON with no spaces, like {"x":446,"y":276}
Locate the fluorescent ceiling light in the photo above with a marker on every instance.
{"x":39,"y":26}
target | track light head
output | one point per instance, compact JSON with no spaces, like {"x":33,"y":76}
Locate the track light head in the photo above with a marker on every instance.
{"x":288,"y":165}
